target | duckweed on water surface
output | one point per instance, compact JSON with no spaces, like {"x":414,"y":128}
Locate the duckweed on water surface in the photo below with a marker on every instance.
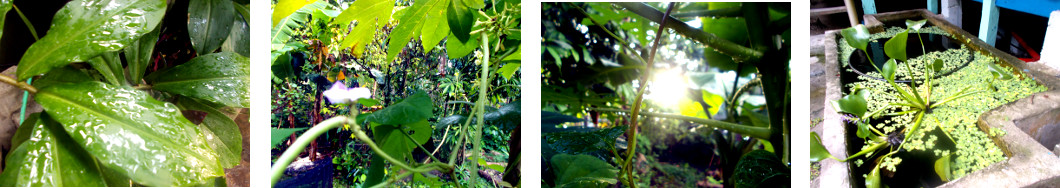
{"x":974,"y":148}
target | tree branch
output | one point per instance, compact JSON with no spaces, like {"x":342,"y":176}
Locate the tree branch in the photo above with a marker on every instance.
{"x":738,"y":52}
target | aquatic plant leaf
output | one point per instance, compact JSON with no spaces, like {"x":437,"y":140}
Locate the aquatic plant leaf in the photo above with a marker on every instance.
{"x":395,"y":141}
{"x":411,"y":25}
{"x":999,"y":72}
{"x":460,"y":18}
{"x":760,"y":168}
{"x":582,"y":171}
{"x":942,"y":168}
{"x":410,"y":110}
{"x":889,"y":69}
{"x":857,"y":36}
{"x":221,"y":133}
{"x":83,"y":29}
{"x":853,"y":103}
{"x":131,"y":132}
{"x":370,"y":15}
{"x":817,"y":151}
{"x":50,"y":159}
{"x":278,"y":135}
{"x":221,"y":78}
{"x":895,"y":47}
{"x":138,"y":55}
{"x":209,"y":23}
{"x":915,"y":25}
{"x":873,"y":180}
{"x":936,"y":66}
{"x":285,"y":8}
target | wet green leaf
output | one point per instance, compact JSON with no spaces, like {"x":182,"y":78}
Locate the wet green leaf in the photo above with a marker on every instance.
{"x":895,"y":47}
{"x":220,"y":132}
{"x":460,"y":18}
{"x":369,"y":15}
{"x":209,"y":23}
{"x":83,"y":29}
{"x":582,"y":171}
{"x":853,"y":103}
{"x":857,"y":36}
{"x":915,"y":25}
{"x":138,"y":55}
{"x":220,"y":78}
{"x":412,"y":109}
{"x":281,"y":134}
{"x":65,"y":74}
{"x":238,"y":40}
{"x":937,"y":65}
{"x":131,"y":132}
{"x":817,"y":151}
{"x":103,"y":64}
{"x":942,"y":168}
{"x":395,"y":141}
{"x":412,"y":26}
{"x":999,"y":72}
{"x":50,"y":159}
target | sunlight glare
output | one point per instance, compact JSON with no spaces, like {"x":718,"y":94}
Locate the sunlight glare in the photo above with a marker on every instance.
{"x":668,"y":87}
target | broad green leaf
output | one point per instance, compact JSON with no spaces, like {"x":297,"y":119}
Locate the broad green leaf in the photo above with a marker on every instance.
{"x":220,"y":78}
{"x":508,"y":70}
{"x":395,"y":141}
{"x":518,"y":55}
{"x":138,"y":55}
{"x":50,"y":159}
{"x":280,"y":134}
{"x":65,"y":74}
{"x":5,"y":5}
{"x":434,"y":30}
{"x":998,"y":72}
{"x":411,"y":25}
{"x":873,"y":180}
{"x":209,"y":23}
{"x":817,"y":151}
{"x":367,"y":102}
{"x":915,"y":25}
{"x":103,"y":64}
{"x":461,"y":19}
{"x":857,"y":36}
{"x":693,"y":108}
{"x":21,"y":135}
{"x":895,"y":47}
{"x":889,"y":69}
{"x":285,"y":8}
{"x":83,"y":29}
{"x":369,"y":15}
{"x":853,"y":103}
{"x":942,"y":168}
{"x":281,"y":68}
{"x":582,"y":171}
{"x":760,"y":168}
{"x":238,"y":40}
{"x":285,"y":29}
{"x":936,"y":66}
{"x":456,"y":49}
{"x":220,"y":132}
{"x":131,"y":132}
{"x":863,"y":130}
{"x":728,"y":28}
{"x":412,"y":109}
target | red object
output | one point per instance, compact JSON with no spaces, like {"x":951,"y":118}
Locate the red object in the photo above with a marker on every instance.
{"x":1034,"y":54}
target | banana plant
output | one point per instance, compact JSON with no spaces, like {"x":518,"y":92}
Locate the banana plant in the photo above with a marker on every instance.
{"x":107,"y":120}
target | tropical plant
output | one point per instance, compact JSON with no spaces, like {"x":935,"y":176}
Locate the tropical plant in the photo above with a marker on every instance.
{"x":390,"y":47}
{"x":112,"y":115}
{"x":600,"y":59}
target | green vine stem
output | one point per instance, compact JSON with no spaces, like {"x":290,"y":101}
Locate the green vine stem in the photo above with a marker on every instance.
{"x":300,"y":144}
{"x":738,"y":52}
{"x":628,"y":167}
{"x":22,"y":85}
{"x":746,"y":130}
{"x":481,"y":106}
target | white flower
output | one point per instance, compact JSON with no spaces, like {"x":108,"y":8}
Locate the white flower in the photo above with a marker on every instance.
{"x":340,"y":94}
